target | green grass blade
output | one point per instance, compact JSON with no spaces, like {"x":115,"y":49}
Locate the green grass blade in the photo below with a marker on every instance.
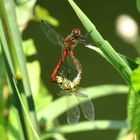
{"x":25,"y":111}
{"x":131,"y":63}
{"x":86,"y":126}
{"x":59,"y":105}
{"x":138,"y":5}
{"x":135,"y":80}
{"x":3,"y":120}
{"x":92,"y":125}
{"x":14,"y":129}
{"x":104,"y":45}
{"x":2,"y":67}
{"x":7,"y":13}
{"x":2,"y":73}
{"x":123,"y":134}
{"x":134,"y":103}
{"x":134,"y":111}
{"x":19,"y":104}
{"x":5,"y":49}
{"x":10,"y":75}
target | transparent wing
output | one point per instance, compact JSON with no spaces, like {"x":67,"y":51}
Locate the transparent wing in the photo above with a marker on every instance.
{"x":52,"y":36}
{"x":73,"y":113}
{"x":68,"y":64}
{"x":86,"y":105}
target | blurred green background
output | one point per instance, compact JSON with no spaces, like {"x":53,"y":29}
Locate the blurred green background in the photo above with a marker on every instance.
{"x":103,"y":15}
{"x":96,"y":70}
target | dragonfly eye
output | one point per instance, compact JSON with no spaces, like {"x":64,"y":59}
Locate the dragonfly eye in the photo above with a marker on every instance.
{"x":76,"y":33}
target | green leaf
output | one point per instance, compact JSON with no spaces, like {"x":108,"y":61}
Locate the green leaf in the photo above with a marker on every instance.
{"x":86,"y":126}
{"x":138,"y":5}
{"x":134,"y":111}
{"x":43,"y":97}
{"x":113,"y":57}
{"x":135,"y":80}
{"x":92,"y":125}
{"x":14,"y":127}
{"x":26,"y":114}
{"x":3,"y":126}
{"x":43,"y":14}
{"x":40,"y":93}
{"x":131,"y":63}
{"x":124,"y":134}
{"x":13,"y":39}
{"x":2,"y":67}
{"x":58,"y":107}
{"x":138,"y":60}
{"x":33,"y":67}
{"x":29,"y":47}
{"x":3,"y":98}
{"x":34,"y":76}
{"x":2,"y":72}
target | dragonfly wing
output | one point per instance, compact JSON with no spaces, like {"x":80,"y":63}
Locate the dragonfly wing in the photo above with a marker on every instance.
{"x":67,"y":66}
{"x":52,"y":36}
{"x":73,"y":113}
{"x":70,"y":62}
{"x":86,"y":105}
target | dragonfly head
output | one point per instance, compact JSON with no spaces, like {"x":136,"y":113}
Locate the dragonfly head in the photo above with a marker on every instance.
{"x":59,"y":79}
{"x":76,"y":33}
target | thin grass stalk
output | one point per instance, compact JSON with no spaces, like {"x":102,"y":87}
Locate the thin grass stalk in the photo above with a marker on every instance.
{"x":25,"y":123}
{"x":86,"y":126}
{"x":17,"y":58}
{"x":16,"y":103}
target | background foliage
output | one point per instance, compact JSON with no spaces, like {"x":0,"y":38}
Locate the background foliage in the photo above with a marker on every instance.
{"x":30,"y":107}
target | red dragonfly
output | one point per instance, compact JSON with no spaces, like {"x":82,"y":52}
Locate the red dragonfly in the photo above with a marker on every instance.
{"x":70,"y":88}
{"x":68,"y":44}
{"x":75,"y":99}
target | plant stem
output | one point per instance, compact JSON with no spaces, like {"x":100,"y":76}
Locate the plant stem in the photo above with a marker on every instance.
{"x":16,"y":59}
{"x":88,"y":125}
{"x":137,"y":137}
{"x":104,"y":45}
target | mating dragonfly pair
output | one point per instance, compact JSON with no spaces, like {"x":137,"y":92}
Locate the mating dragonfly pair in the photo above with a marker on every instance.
{"x":70,"y":87}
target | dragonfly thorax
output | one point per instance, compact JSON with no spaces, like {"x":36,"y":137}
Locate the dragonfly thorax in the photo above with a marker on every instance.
{"x":65,"y":84}
{"x":70,"y":43}
{"x":72,"y":39}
